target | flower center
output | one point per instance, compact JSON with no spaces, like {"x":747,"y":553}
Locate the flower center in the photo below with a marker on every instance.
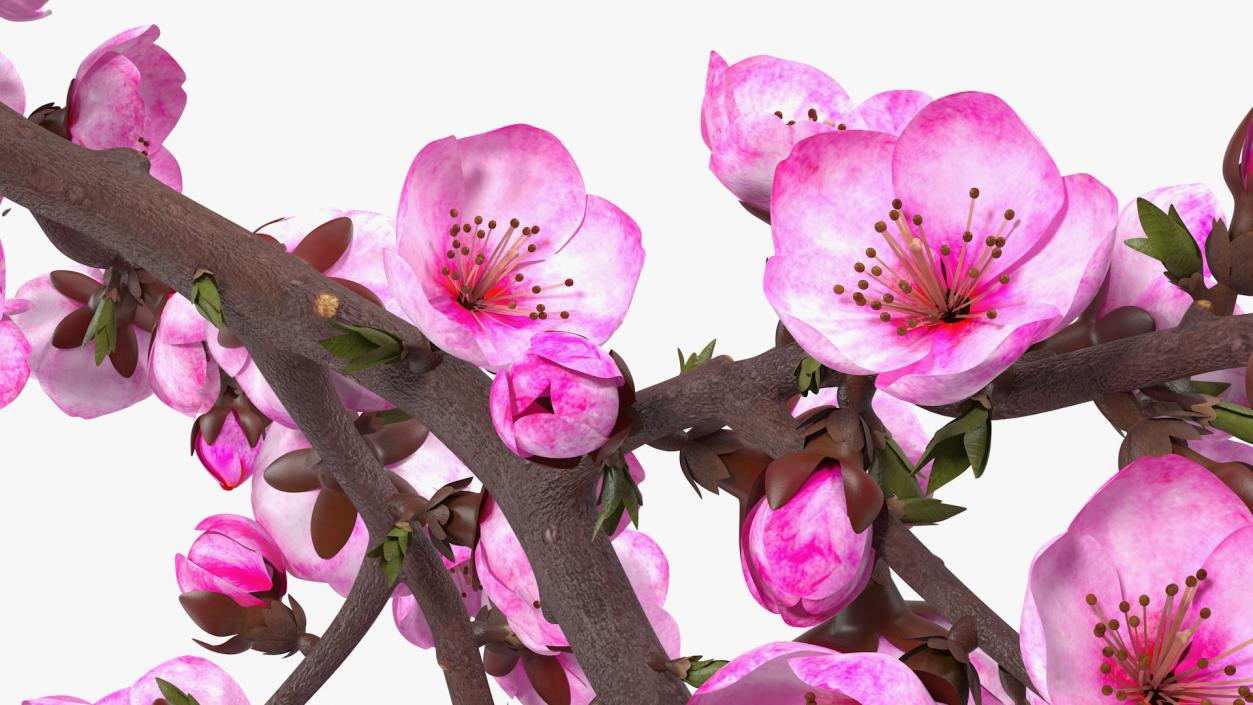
{"x":1144,"y":664}
{"x":485,"y":269}
{"x":812,"y":116}
{"x":929,"y":285}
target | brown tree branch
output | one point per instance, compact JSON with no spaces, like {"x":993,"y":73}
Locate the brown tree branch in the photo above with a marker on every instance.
{"x":269,"y":297}
{"x":361,"y":608}
{"x":306,"y":392}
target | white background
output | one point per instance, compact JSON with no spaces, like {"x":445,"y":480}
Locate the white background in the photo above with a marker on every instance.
{"x":299,"y":105}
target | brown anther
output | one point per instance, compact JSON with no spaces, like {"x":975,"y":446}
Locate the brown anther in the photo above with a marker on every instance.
{"x":518,"y":277}
{"x":565,"y":314}
{"x":859,"y":267}
{"x":569,"y":282}
{"x":454,"y":213}
{"x":838,"y":288}
{"x":974,"y":193}
{"x":991,"y":314}
{"x":896,"y":203}
{"x":880,"y":227}
{"x":870,"y":251}
{"x":1009,"y":214}
{"x":535,"y":290}
{"x":917,"y":220}
{"x":813,"y":115}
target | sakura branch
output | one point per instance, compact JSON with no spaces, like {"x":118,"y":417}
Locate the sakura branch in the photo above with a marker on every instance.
{"x":927,"y":253}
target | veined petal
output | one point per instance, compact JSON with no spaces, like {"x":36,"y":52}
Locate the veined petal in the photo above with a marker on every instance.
{"x":888,"y":112}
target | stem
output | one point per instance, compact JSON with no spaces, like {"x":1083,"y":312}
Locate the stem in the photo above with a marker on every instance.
{"x":361,"y":608}
{"x":305,"y":390}
{"x":923,"y":571}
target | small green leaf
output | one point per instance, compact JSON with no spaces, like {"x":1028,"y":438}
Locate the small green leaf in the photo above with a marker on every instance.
{"x":703,"y":670}
{"x":391,"y":552}
{"x":207,"y":299}
{"x":103,"y":330}
{"x":1234,"y":419}
{"x":964,"y":442}
{"x":618,"y":494}
{"x":173,"y":694}
{"x":696,"y":359}
{"x":362,"y":347}
{"x":808,"y":376}
{"x":377,"y":337}
{"x":1142,"y":245}
{"x":927,"y":510}
{"x":1169,"y":240}
{"x":377,"y":356}
{"x":391,"y":416}
{"x":347,"y":346}
{"x":949,"y":461}
{"x":978,"y":443}
{"x":894,"y":473}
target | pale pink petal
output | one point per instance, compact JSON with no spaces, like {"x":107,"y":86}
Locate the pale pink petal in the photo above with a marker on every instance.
{"x":604,"y":259}
{"x":1223,"y":449}
{"x":14,"y":367}
{"x":180,"y":372}
{"x":164,"y":168}
{"x":552,"y":436}
{"x":54,"y":699}
{"x":197,"y":677}
{"x":262,"y":395}
{"x":645,"y":565}
{"x":192,"y":578}
{"x":246,"y":532}
{"x":974,"y":140}
{"x":12,"y":93}
{"x":107,"y":110}
{"x":867,"y":679}
{"x":372,"y":234}
{"x":889,"y":111}
{"x":162,"y":78}
{"x":23,"y":11}
{"x":232,"y":360}
{"x":751,"y":663}
{"x":117,"y":697}
{"x":1070,"y":267}
{"x":509,"y":583}
{"x":231,"y":459}
{"x":1031,"y":636}
{"x":576,"y":353}
{"x":966,"y":356}
{"x":433,"y":187}
{"x":747,"y":140}
{"x":408,"y":616}
{"x":713,"y":110}
{"x":1226,"y":593}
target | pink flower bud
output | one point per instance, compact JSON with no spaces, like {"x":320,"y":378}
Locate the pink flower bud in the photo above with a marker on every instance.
{"x":803,"y":560}
{"x":229,"y":458}
{"x":559,"y":401}
{"x":234,"y":557}
{"x":23,"y":10}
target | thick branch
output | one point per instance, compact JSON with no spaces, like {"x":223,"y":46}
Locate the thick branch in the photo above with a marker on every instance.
{"x":361,"y":608}
{"x":925,"y":573}
{"x":306,"y":392}
{"x":268,"y":297}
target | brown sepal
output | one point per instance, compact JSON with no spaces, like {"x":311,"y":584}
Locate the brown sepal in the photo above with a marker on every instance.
{"x":294,"y":471}
{"x":702,"y":467}
{"x":547,"y":677}
{"x":762,"y":214}
{"x":213,"y":612}
{"x":125,"y":355}
{"x":1120,"y":409}
{"x":785,"y":476}
{"x":74,"y":285}
{"x":1152,"y":437}
{"x":70,"y":332}
{"x":325,"y":244}
{"x":864,"y":497}
{"x":332,"y":522}
{"x":1121,"y":323}
{"x":498,"y":660}
{"x":359,"y":289}
{"x":397,"y":441}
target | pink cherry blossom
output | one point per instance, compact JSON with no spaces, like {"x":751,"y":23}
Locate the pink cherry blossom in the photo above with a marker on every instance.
{"x":1135,"y":279}
{"x":786,"y":672}
{"x":70,"y":376}
{"x":230,"y":459}
{"x":360,"y":265}
{"x":199,"y":678}
{"x":933,"y":260}
{"x":286,"y":515}
{"x":23,"y":11}
{"x":756,"y":109}
{"x":560,"y":400}
{"x":129,"y":93}
{"x":804,"y":561}
{"x":1145,"y":596}
{"x":234,"y":557}
{"x":498,"y":240}
{"x":14,"y":348}
{"x":509,"y":582}
{"x":180,"y":371}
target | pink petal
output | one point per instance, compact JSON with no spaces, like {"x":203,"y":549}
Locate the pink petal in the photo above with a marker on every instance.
{"x":246,"y":532}
{"x":604,"y":258}
{"x":975,"y":140}
{"x":193,"y":578}
{"x":646,"y":567}
{"x":576,"y":353}
{"x":164,"y":168}
{"x":12,"y":93}
{"x":747,"y":140}
{"x":453,"y":331}
{"x":182,"y":377}
{"x":889,"y":111}
{"x":53,"y":699}
{"x":433,"y":187}
{"x":509,"y":583}
{"x":23,"y":11}
{"x":867,"y":679}
{"x":262,"y":395}
{"x":162,"y":78}
{"x":713,"y":111}
{"x":1070,"y":267}
{"x":1031,"y":636}
{"x":966,"y":356}
{"x":197,"y":677}
{"x":1226,"y":593}
{"x":225,"y":558}
{"x":501,"y":404}
{"x":14,"y":367}
{"x":231,"y":460}
{"x":107,"y":110}
{"x":1135,"y":279}
{"x":408,"y":616}
{"x":750,"y":664}
{"x":231,"y":360}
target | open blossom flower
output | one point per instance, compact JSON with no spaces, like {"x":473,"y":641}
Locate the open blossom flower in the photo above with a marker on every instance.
{"x":498,"y":240}
{"x":1145,"y":597}
{"x":129,"y":93}
{"x":197,"y":677}
{"x":805,"y":561}
{"x":933,"y":260}
{"x":791,"y":672}
{"x":1135,"y":279}
{"x":286,"y":516}
{"x":234,"y":557}
{"x":62,"y":305}
{"x":755,"y":110}
{"x":560,"y":400}
{"x":14,"y":348}
{"x":509,"y":582}
{"x":23,"y":11}
{"x":345,"y":245}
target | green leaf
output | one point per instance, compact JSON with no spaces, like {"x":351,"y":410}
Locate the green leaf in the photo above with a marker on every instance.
{"x":377,"y":337}
{"x":391,"y":552}
{"x":172,"y":694}
{"x":701,"y":671}
{"x":377,"y":356}
{"x":894,"y":473}
{"x":978,"y":443}
{"x":362,"y":347}
{"x":618,"y":494}
{"x":696,"y":359}
{"x":347,"y":346}
{"x":391,"y":416}
{"x":102,"y":329}
{"x":927,"y":510}
{"x":1169,"y":240}
{"x":207,"y":298}
{"x":964,"y":442}
{"x":949,"y":462}
{"x":1211,"y":388}
{"x":808,"y":376}
{"x":1142,"y":245}
{"x":1234,"y":419}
